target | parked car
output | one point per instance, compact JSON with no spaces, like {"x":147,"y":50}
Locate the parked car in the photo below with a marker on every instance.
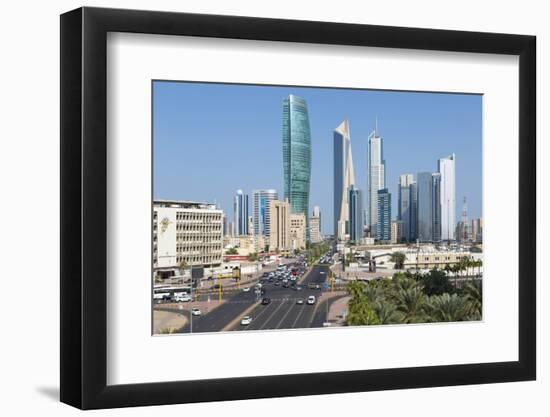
{"x":246,"y":321}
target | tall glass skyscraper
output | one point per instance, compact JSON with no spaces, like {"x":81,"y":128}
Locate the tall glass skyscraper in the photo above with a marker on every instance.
{"x":383,"y":212}
{"x":425,"y":206}
{"x":446,"y":167}
{"x":405,"y":210}
{"x":376,"y":178}
{"x":355,"y":214}
{"x":260,"y":210}
{"x":436,"y":207}
{"x":240,"y":213}
{"x":296,"y":154}
{"x":344,"y":178}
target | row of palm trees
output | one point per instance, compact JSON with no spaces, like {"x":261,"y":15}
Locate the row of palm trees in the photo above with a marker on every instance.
{"x":466,"y":266}
{"x":403,"y":300}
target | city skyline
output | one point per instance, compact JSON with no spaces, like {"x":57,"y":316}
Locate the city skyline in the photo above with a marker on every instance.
{"x":170,"y":138}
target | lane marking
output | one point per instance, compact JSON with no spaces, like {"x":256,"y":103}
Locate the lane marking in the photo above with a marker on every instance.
{"x":260,"y":314}
{"x":271,"y":316}
{"x":285,"y":316}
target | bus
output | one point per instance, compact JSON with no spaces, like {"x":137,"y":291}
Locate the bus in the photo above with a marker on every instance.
{"x":166,"y":293}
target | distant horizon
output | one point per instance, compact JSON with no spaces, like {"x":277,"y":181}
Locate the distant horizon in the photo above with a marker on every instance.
{"x":210,"y":140}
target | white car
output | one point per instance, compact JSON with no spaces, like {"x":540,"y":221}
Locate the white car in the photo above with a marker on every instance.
{"x":246,"y":289}
{"x":195,"y":312}
{"x":246,"y":321}
{"x":311,"y":300}
{"x":182,"y":298}
{"x":300,"y":301}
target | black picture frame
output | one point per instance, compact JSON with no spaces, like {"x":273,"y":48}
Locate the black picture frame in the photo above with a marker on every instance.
{"x":84,"y":207}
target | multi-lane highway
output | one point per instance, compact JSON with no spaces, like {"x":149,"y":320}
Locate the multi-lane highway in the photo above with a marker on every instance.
{"x":283,"y":311}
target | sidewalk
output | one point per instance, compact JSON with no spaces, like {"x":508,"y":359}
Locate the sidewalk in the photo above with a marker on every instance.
{"x":337,"y":311}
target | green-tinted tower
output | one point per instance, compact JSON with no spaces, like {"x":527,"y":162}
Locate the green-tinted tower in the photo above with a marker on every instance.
{"x":296,"y":154}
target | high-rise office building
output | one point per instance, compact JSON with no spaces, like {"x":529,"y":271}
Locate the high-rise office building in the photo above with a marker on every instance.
{"x":355,"y":214}
{"x":396,"y":231}
{"x":405,"y":209}
{"x":436,"y":207}
{"x":260,"y":210}
{"x":315,"y":225}
{"x":376,"y":178}
{"x":279,"y":219}
{"x":296,"y":154}
{"x":477,"y":230}
{"x":298,"y":231}
{"x":414,"y":212}
{"x":446,"y":167}
{"x":383,"y":211}
{"x":225,"y":226}
{"x":317,"y":213}
{"x":428,"y":190}
{"x":314,"y":229}
{"x":343,"y":178}
{"x":240,"y":213}
{"x":425,"y":206}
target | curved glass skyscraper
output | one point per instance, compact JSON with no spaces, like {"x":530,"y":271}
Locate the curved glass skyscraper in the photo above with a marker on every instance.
{"x":296,"y":154}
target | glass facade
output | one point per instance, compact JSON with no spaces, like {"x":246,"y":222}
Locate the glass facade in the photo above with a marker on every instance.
{"x":425,"y":206}
{"x":261,"y":210}
{"x":355,"y":214}
{"x":436,"y":207}
{"x":405,"y":206}
{"x":343,"y":178}
{"x":376,"y":178}
{"x":296,"y":154}
{"x":240,"y":213}
{"x":446,"y":168}
{"x":383,"y":229}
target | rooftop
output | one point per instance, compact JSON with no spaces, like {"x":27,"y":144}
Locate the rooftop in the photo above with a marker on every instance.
{"x":184,"y":204}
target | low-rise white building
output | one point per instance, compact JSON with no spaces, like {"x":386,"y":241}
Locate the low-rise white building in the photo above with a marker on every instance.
{"x":186,"y":231}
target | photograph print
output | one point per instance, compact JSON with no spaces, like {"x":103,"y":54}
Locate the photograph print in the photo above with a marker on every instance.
{"x":283,"y":207}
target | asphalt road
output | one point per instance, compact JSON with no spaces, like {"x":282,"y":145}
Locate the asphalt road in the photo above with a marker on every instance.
{"x":281,"y":313}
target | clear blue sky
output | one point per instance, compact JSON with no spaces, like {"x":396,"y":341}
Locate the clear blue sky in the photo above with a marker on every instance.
{"x":212,"y":139}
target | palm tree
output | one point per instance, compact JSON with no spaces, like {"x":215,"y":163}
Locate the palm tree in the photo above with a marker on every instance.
{"x":473,"y":292}
{"x":360,"y":311}
{"x":356,"y":289}
{"x":387,"y":312}
{"x":410,"y":305}
{"x":446,"y":307}
{"x":398,"y":258}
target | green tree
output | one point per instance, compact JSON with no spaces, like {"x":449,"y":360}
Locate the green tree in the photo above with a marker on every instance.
{"x":232,"y":251}
{"x":398,"y":258}
{"x":436,"y":282}
{"x":360,"y":311}
{"x":386,"y":312}
{"x":473,"y":292}
{"x":253,"y":257}
{"x":447,"y":307}
{"x":410,"y":305}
